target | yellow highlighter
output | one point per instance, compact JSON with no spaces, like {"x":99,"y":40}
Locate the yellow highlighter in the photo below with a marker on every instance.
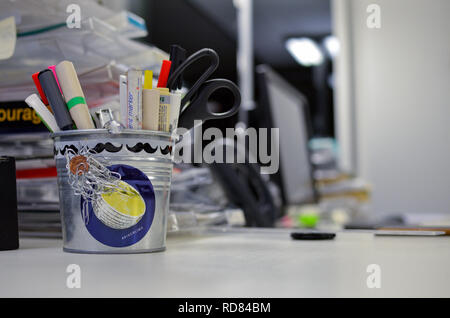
{"x":150,"y":103}
{"x":164,"y":109}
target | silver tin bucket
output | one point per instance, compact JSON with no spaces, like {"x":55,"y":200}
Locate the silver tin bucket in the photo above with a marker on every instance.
{"x":133,"y":218}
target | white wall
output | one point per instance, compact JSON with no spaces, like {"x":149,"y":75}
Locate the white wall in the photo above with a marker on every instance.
{"x":393,"y":101}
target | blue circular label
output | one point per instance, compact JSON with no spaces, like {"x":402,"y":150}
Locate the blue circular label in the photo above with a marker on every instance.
{"x":105,"y":228}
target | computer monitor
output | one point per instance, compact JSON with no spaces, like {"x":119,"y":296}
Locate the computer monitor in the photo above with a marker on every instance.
{"x":282,"y":106}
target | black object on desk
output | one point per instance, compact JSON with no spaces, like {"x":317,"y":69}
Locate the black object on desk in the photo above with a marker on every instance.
{"x":9,"y":229}
{"x":312,"y":236}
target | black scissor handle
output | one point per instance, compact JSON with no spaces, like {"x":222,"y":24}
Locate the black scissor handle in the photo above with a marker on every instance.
{"x":198,"y":109}
{"x":214,"y":62}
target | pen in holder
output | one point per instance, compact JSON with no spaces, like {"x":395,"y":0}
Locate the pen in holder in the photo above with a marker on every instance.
{"x":175,"y":104}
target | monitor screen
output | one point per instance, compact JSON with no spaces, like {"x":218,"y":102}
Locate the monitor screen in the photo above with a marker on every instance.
{"x":288,"y":111}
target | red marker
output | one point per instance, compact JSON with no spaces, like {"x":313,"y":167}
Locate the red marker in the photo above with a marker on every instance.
{"x":53,"y":69}
{"x":164,"y":73}
{"x":39,"y":88}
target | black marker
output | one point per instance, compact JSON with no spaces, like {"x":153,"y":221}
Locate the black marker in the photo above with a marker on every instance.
{"x":55,"y":99}
{"x":177,"y":56}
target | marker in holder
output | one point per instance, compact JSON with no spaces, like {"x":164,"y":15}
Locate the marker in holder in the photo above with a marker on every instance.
{"x":73,"y":94}
{"x":150,"y":103}
{"x":134,"y":99}
{"x":55,"y":99}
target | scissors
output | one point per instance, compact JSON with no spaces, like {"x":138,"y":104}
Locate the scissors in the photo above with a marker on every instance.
{"x":194,"y":105}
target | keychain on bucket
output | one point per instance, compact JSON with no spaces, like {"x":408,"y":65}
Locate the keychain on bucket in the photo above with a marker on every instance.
{"x":91,"y":179}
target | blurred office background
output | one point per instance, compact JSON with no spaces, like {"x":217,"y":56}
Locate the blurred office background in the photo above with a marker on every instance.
{"x":376,"y":99}
{"x":385,"y":99}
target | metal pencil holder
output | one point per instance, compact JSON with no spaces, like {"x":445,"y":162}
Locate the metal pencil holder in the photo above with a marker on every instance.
{"x":114,"y":189}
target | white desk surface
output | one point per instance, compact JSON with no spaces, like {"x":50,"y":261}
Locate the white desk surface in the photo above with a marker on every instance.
{"x":242,"y":264}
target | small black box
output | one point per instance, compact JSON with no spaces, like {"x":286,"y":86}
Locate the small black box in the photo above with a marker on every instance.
{"x":9,"y":229}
